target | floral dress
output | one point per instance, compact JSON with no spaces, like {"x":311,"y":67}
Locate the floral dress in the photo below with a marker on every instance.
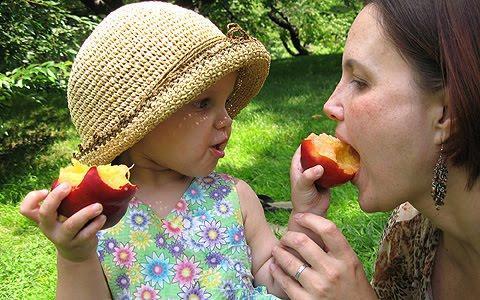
{"x":198,"y":251}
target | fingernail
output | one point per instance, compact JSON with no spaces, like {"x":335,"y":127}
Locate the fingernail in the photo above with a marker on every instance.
{"x":63,"y":186}
{"x":98,"y":208}
{"x":44,"y":192}
{"x":298,"y":217}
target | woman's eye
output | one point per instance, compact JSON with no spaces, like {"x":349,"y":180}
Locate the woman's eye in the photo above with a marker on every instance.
{"x":359,"y":84}
{"x":202,"y":104}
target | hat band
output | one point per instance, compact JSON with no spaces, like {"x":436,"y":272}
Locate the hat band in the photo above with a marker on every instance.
{"x":235,"y":35}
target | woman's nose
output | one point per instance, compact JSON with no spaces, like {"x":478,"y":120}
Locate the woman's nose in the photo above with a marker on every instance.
{"x":333,"y":108}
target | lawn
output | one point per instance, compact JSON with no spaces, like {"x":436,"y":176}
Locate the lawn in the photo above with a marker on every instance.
{"x":264,"y":137}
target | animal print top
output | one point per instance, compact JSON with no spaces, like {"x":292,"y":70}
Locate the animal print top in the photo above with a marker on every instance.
{"x":405,"y":260}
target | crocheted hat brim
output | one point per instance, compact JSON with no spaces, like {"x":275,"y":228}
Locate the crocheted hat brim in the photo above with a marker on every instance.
{"x":184,"y":83}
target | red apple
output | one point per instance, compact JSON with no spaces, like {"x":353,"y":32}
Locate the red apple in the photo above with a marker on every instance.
{"x":338,"y":159}
{"x":103,"y":184}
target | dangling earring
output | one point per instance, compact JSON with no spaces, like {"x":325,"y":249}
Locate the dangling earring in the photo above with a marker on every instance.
{"x":439,"y":181}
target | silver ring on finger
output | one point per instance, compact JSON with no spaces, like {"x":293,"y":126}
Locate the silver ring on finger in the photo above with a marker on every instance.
{"x":300,"y":270}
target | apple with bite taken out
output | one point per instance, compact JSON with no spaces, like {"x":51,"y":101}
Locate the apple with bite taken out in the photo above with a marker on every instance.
{"x":338,"y":159}
{"x":104,"y":184}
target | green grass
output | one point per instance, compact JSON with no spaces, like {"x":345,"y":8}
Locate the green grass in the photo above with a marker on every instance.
{"x":265,"y":136}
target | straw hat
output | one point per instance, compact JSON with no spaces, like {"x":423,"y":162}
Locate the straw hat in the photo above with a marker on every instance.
{"x":146,"y":60}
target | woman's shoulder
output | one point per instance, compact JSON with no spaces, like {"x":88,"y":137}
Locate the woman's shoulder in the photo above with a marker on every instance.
{"x":406,"y":252}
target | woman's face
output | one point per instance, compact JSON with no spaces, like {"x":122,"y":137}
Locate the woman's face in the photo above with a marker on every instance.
{"x":384,"y":115}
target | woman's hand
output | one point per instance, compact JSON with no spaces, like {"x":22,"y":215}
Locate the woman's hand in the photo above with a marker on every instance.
{"x":334,"y":273}
{"x":305,"y":196}
{"x":74,"y":241}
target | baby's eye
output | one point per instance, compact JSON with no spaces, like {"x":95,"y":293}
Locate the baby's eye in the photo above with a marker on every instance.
{"x":202,"y":104}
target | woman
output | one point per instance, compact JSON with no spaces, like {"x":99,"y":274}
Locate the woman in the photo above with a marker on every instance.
{"x":409,"y":103}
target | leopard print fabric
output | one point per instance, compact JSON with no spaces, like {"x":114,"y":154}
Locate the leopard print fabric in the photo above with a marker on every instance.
{"x":406,"y":256}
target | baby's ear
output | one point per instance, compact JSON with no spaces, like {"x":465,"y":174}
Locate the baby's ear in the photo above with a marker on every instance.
{"x":442,"y":118}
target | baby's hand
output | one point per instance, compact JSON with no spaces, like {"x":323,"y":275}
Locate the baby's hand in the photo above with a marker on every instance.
{"x":305,"y":196}
{"x":74,"y":241}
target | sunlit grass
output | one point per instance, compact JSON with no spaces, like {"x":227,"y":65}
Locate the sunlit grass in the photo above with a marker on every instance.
{"x":265,"y":136}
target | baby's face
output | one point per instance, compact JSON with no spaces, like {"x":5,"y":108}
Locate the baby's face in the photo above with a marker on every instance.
{"x":193,"y":139}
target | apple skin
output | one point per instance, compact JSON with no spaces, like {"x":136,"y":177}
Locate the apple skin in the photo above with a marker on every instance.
{"x":93,"y":190}
{"x":332,"y":176}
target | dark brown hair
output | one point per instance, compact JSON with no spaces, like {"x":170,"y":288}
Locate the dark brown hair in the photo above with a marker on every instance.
{"x":440,"y":39}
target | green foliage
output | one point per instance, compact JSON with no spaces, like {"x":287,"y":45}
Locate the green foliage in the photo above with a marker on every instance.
{"x":38,"y":40}
{"x":32,"y":81}
{"x":322,"y":25}
{"x":35,"y":31}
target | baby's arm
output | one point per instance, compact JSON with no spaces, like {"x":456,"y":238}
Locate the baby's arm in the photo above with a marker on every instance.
{"x":259,"y":237}
{"x":80,"y":275}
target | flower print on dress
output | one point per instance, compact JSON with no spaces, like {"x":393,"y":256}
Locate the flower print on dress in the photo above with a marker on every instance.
{"x":181,"y":207}
{"x":228,"y":290}
{"x":124,"y":255}
{"x":210,"y":279}
{"x":140,"y":239}
{"x":101,"y":254}
{"x":194,"y":195}
{"x":145,"y":292}
{"x":157,"y":270}
{"x":174,"y":227}
{"x":139,"y":220}
{"x":187,"y":222}
{"x":212,"y":235}
{"x":236,"y":238}
{"x":135,"y":274}
{"x":207,"y":181}
{"x":194,"y":292}
{"x":202,"y":214}
{"x":220,"y":192}
{"x":160,"y":241}
{"x":110,"y":245}
{"x":213,"y":259}
{"x":114,"y":230}
{"x":193,"y":245}
{"x":226,"y":177}
{"x":123,"y":281}
{"x":123,"y":295}
{"x":187,"y":271}
{"x":134,"y":202}
{"x":223,"y":208}
{"x":100,"y":234}
{"x":176,"y":248}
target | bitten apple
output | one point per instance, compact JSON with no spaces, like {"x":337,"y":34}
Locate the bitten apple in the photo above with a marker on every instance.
{"x":338,"y":159}
{"x":105,"y":184}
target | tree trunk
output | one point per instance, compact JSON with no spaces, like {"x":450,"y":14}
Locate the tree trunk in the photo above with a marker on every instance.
{"x":281,"y":20}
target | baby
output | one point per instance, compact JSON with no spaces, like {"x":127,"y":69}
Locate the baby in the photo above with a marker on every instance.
{"x":156,"y":86}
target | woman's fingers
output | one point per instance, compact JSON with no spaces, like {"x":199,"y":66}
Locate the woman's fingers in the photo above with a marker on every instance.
{"x":31,"y":204}
{"x":48,"y":210}
{"x":291,"y":287}
{"x":72,"y":226}
{"x":334,"y":240}
{"x":291,"y":265}
{"x":306,"y":247}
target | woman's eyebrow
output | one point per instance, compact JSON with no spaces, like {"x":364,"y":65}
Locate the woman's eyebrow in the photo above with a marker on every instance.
{"x":354,"y":64}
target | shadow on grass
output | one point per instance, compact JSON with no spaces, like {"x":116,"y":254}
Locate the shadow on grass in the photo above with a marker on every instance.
{"x":28,"y":129}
